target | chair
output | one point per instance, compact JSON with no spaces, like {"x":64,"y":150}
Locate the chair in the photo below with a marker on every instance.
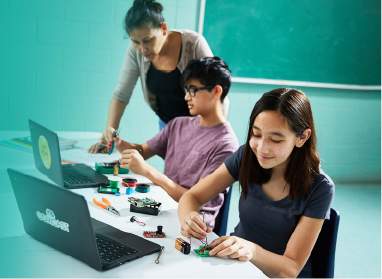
{"x":221,"y":220}
{"x":323,"y":253}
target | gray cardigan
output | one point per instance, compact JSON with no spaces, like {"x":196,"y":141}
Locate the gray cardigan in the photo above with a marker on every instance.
{"x":136,"y":65}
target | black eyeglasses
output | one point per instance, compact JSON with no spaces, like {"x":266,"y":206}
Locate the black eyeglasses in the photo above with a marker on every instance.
{"x":193,"y":91}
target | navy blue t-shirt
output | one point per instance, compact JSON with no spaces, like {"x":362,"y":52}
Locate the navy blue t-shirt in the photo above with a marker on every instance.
{"x":270,"y":224}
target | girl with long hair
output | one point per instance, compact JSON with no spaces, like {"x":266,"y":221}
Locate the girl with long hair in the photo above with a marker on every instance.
{"x":285,"y":195}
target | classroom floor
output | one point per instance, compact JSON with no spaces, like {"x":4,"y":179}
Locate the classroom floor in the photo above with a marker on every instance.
{"x":358,"y":252}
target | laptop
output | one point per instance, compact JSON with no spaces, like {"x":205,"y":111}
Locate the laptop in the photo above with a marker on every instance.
{"x":60,"y":218}
{"x":47,"y":158}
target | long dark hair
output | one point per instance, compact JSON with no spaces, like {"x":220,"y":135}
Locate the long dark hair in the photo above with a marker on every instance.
{"x":144,"y":12}
{"x":304,"y":161}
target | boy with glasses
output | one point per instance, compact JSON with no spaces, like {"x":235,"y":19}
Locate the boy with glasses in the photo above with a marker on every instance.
{"x":193,"y":147}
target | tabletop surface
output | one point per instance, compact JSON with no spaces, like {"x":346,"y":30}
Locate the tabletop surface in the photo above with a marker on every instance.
{"x":39,"y":260}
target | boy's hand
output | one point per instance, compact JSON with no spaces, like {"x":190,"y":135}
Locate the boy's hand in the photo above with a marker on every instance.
{"x":133,"y":160}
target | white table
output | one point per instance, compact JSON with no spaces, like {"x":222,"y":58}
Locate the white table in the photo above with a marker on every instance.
{"x":22,"y":256}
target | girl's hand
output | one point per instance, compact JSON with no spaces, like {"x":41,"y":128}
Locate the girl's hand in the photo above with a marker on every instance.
{"x":233,"y":247}
{"x":192,"y":225}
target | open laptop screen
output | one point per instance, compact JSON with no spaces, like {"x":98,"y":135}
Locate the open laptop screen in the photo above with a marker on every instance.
{"x":56,"y":217}
{"x":46,"y":152}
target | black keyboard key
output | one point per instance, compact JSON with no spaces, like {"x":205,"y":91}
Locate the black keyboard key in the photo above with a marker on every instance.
{"x":111,"y":250}
{"x":71,"y":176}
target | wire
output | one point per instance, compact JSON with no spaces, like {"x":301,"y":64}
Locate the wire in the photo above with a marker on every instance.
{"x":141,"y":223}
{"x":202,"y":241}
{"x":124,"y":144}
{"x":206,"y":244}
{"x":135,"y":219}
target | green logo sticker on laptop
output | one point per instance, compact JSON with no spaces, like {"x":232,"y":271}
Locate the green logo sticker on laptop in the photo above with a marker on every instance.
{"x":44,"y":151}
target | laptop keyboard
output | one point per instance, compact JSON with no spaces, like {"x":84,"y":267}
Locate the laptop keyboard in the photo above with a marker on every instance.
{"x":73,"y":177}
{"x":110,"y":250}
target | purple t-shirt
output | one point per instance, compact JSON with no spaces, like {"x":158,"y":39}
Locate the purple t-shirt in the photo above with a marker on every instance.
{"x":192,"y":152}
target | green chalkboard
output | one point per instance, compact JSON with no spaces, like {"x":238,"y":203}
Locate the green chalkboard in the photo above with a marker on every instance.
{"x":329,"y":41}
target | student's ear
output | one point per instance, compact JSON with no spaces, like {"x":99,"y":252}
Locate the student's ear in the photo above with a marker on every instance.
{"x":218,"y":92}
{"x":303,"y":138}
{"x":164,"y":29}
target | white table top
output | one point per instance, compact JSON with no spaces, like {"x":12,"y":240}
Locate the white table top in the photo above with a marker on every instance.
{"x":39,"y":260}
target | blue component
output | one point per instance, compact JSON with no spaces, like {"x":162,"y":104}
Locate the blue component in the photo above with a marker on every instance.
{"x":129,"y":191}
{"x":117,"y":193}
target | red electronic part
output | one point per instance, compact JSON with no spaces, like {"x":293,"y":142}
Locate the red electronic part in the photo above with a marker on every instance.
{"x":158,"y":234}
{"x":153,"y":235}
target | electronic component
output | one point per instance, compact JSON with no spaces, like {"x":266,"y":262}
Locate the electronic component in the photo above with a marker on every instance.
{"x":182,"y":246}
{"x":203,"y":251}
{"x":145,"y":206}
{"x":107,"y":190}
{"x":158,"y":234}
{"x":129,"y":191}
{"x":142,"y":202}
{"x":135,"y":219}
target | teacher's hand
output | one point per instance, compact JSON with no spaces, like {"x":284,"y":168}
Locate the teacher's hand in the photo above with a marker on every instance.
{"x":102,"y":145}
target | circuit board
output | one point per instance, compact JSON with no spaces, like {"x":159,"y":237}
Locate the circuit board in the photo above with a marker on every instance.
{"x":143,"y":202}
{"x":203,"y":251}
{"x":153,"y":235}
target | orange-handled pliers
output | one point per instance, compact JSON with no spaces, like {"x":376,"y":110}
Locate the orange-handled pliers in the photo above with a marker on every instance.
{"x":107,"y":206}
